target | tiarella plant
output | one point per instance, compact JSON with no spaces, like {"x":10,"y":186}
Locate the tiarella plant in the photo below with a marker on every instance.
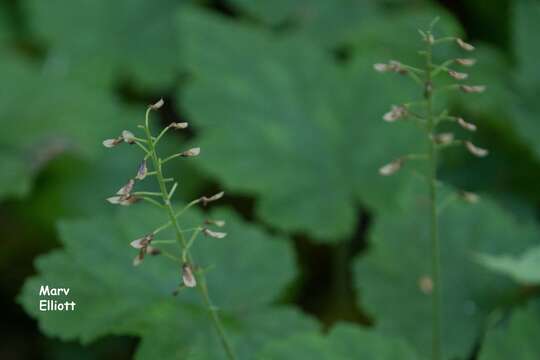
{"x":152,"y":167}
{"x":423,"y":113}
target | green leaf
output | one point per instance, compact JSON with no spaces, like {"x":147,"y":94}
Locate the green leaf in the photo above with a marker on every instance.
{"x":42,"y":115}
{"x":345,"y":341}
{"x":113,"y":297}
{"x":517,"y":340}
{"x":284,"y":113}
{"x":329,"y":22}
{"x":389,"y":278}
{"x":524,"y":269}
{"x":113,"y":41}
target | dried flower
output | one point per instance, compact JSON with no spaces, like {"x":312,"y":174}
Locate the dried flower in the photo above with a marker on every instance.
{"x":128,"y":136}
{"x":475,"y":150}
{"x":391,"y":168}
{"x":191,"y":152}
{"x":214,"y":234}
{"x":397,"y":112}
{"x":110,"y":143}
{"x":124,"y":200}
{"x":469,"y":197}
{"x":465,"y":46}
{"x":466,"y":125}
{"x":472,"y":89}
{"x":126,"y":189}
{"x":187,"y":276}
{"x":443,"y":138}
{"x":205,"y":200}
{"x":177,"y":126}
{"x":392,"y":66}
{"x":457,"y":75}
{"x":143,"y":244}
{"x":466,"y":62}
{"x":218,"y":223}
{"x":157,"y":105}
{"x":142,"y":171}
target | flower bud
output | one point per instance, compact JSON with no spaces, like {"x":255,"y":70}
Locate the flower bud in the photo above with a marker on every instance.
{"x":157,"y":105}
{"x":397,"y":112}
{"x":466,"y":125}
{"x":142,"y":171}
{"x":178,"y":126}
{"x":465,"y":46}
{"x":457,"y":75}
{"x":191,"y":152}
{"x":128,"y":136}
{"x":187,"y":276}
{"x":466,"y":62}
{"x":214,"y":234}
{"x":475,"y":150}
{"x":473,"y":89}
{"x":391,"y":168}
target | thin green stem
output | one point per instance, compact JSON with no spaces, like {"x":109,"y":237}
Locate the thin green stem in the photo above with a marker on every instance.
{"x":435,"y":256}
{"x":214,"y":316}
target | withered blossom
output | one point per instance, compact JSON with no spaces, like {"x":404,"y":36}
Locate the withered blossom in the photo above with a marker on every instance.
{"x":465,"y":46}
{"x":128,"y":136}
{"x":472,"y":88}
{"x":475,"y":150}
{"x":397,"y":112}
{"x":177,"y":126}
{"x":457,"y":75}
{"x":205,"y":200}
{"x":214,"y":234}
{"x":391,"y":168}
{"x":218,"y":223}
{"x":466,"y":62}
{"x":124,"y":200}
{"x":392,"y":66}
{"x":126,"y":189}
{"x":143,"y":245}
{"x":110,"y":143}
{"x":157,"y":104}
{"x":466,"y":125}
{"x":187,"y":276}
{"x":191,"y":152}
{"x":142,"y":171}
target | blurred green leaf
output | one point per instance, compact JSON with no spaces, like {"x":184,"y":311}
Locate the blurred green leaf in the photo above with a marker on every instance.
{"x":113,"y":297}
{"x":281,"y":120}
{"x":393,"y":278}
{"x":524,"y":269}
{"x":345,"y":341}
{"x":104,"y":42}
{"x":517,"y":340}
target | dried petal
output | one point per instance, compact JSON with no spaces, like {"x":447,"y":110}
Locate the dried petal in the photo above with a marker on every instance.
{"x":465,"y":46}
{"x":110,"y":143}
{"x":466,"y":62}
{"x":475,"y":150}
{"x":473,"y":89}
{"x":177,"y":126}
{"x":466,"y":125}
{"x":205,"y":200}
{"x":218,"y":223}
{"x":214,"y":234}
{"x":444,"y":138}
{"x":126,"y":189}
{"x":157,"y":105}
{"x":128,"y":136}
{"x":187,"y":276}
{"x":142,"y":171}
{"x":457,"y":75}
{"x":191,"y":152}
{"x":396,"y":113}
{"x":391,"y":168}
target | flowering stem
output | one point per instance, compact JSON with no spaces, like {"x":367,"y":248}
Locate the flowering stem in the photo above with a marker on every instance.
{"x":435,"y":256}
{"x":203,"y":289}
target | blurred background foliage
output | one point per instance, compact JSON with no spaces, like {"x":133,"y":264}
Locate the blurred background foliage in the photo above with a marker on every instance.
{"x":282,"y":99}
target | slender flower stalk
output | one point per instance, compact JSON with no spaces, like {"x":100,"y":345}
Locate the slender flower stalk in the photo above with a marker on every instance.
{"x":189,"y":272}
{"x":427,"y":119}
